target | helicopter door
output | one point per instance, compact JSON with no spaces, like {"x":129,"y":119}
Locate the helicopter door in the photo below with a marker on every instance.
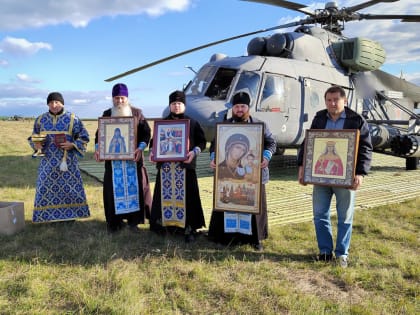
{"x":247,"y":81}
{"x":279,"y":100}
{"x":272,"y":96}
{"x":313,"y":102}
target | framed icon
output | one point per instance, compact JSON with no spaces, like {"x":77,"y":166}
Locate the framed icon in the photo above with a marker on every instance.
{"x":116,"y":138}
{"x":237,"y":180}
{"x":330,"y":157}
{"x":170,"y":140}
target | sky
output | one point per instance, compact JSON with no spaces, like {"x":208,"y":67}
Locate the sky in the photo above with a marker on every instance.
{"x":72,"y":46}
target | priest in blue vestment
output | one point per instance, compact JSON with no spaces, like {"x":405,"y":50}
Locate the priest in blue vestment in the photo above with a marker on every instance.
{"x":60,"y":195}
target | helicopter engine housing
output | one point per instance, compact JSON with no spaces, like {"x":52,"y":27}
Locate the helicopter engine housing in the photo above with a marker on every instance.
{"x":359,"y":54}
{"x":276,"y":45}
{"x":257,"y":46}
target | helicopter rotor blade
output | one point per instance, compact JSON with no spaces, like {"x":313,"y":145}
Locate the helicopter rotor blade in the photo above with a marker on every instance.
{"x":402,"y":17}
{"x":367,"y":4}
{"x":331,"y":15}
{"x":304,"y":9}
{"x":301,"y":22}
{"x":286,"y":4}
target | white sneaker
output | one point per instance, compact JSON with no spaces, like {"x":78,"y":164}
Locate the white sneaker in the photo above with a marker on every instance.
{"x":343,"y":261}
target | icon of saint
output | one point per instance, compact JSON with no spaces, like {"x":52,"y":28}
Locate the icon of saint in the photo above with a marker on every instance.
{"x":117,"y":144}
{"x":329,"y":162}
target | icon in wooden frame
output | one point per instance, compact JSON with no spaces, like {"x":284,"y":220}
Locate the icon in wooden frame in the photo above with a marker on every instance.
{"x":116,"y":138}
{"x":330,"y":157}
{"x":170,"y":140}
{"x":237,"y":181}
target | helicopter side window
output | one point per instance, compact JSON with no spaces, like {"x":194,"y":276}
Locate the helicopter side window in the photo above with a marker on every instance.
{"x":248,"y":81}
{"x":200,"y":82}
{"x":219,"y":87}
{"x":273,"y":96}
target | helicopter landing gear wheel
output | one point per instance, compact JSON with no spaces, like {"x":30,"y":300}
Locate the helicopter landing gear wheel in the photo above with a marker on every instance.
{"x":411,"y":163}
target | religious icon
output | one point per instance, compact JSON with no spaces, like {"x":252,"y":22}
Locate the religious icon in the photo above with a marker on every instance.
{"x":170,"y":140}
{"x":329,"y":162}
{"x":116,"y":138}
{"x":117,"y":144}
{"x":330,"y":157}
{"x":236,"y":147}
{"x":238,"y":173}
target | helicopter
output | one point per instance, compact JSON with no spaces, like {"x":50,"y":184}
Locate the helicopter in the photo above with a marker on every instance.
{"x":286,"y":75}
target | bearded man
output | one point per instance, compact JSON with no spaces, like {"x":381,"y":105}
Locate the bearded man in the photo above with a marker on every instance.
{"x":258,"y":230}
{"x":126,"y":191}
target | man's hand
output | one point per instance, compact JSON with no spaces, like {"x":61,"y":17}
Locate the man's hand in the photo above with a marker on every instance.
{"x":67,"y":145}
{"x":358,"y":180}
{"x":300,"y":176}
{"x":96,"y":155}
{"x":137,"y":155}
{"x":38,"y":145}
{"x":213,"y":164}
{"x":264,"y":163}
{"x":190,"y":157}
{"x":151,"y":158}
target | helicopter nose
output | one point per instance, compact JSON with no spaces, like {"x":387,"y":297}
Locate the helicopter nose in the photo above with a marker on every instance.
{"x":207,"y":113}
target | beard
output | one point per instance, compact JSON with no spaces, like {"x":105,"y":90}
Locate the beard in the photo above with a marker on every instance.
{"x":121,"y":110}
{"x":177,"y":116}
{"x":243,"y":118}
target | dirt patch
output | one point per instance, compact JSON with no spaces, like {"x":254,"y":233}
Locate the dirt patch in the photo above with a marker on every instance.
{"x":324,"y":286}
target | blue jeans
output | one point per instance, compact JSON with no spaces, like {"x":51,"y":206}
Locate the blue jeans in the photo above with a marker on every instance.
{"x":321,"y":202}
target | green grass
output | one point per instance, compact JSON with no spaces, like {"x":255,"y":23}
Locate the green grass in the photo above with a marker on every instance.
{"x":77,"y":268}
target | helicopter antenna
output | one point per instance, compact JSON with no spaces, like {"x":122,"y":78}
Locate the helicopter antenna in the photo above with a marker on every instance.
{"x":191,"y":68}
{"x":331,"y":19}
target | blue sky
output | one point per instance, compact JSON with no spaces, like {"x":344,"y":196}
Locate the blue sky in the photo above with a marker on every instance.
{"x":71,"y":46}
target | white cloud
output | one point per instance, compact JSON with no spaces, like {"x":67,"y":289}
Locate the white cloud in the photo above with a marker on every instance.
{"x":80,"y":101}
{"x":21,"y":46}
{"x":22,"y":91}
{"x":413,"y":77}
{"x":3,"y":63}
{"x":23,"y":14}
{"x":22,"y":77}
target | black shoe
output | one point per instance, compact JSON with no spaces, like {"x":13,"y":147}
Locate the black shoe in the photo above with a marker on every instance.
{"x":158,"y":229}
{"x":259,"y":247}
{"x":134,"y":229}
{"x":70,"y":221}
{"x":324,"y":257}
{"x":189,"y":238}
{"x":113,"y":230}
{"x":115,"y":227}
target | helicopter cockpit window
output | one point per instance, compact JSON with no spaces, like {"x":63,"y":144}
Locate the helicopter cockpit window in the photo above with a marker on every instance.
{"x":201,"y":80}
{"x":219,"y":87}
{"x":248,"y":81}
{"x":273,"y":96}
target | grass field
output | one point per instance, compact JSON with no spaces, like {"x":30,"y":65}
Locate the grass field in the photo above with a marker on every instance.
{"x":77,"y":268}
